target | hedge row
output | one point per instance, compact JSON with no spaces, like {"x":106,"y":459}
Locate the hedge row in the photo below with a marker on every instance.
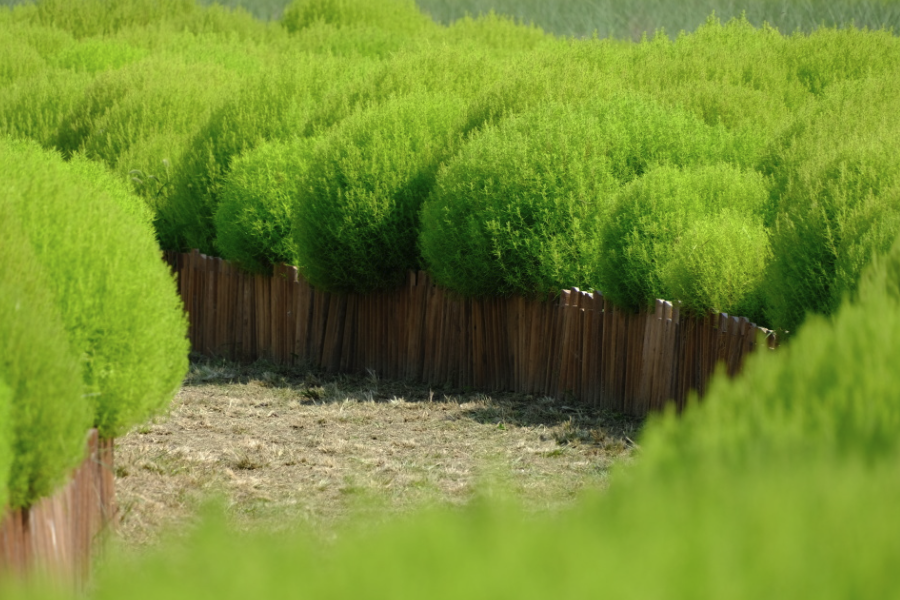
{"x":47,"y":415}
{"x":170,"y":96}
{"x":93,"y":333}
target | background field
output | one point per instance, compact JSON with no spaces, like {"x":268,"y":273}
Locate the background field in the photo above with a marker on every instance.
{"x":630,"y":19}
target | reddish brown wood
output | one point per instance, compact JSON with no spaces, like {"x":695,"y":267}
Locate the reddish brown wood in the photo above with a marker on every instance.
{"x":57,"y":536}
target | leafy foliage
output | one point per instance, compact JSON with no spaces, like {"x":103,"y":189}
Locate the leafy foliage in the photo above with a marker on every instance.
{"x":836,"y":198}
{"x":88,"y":18}
{"x":829,"y":395}
{"x":37,"y":107}
{"x":357,"y":218}
{"x":397,"y":15}
{"x":45,"y":415}
{"x":518,"y":209}
{"x":694,"y":235}
{"x":281,"y":101}
{"x":254,"y":218}
{"x":117,"y":299}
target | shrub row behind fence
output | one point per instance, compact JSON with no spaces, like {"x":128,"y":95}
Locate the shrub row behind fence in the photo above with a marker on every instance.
{"x":56,"y":536}
{"x":578,"y":346}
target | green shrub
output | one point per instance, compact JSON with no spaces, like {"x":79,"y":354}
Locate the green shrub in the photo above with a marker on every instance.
{"x":46,"y":41}
{"x":37,"y":107}
{"x":694,"y":235}
{"x":497,"y":32}
{"x":644,"y":131}
{"x":520,"y":209}
{"x":117,"y":298}
{"x":831,"y":394}
{"x":828,"y":56}
{"x":88,"y":18}
{"x":357,"y":218}
{"x":731,"y":74}
{"x":431,"y":69}
{"x":6,"y":433}
{"x":47,"y":416}
{"x":517,"y":211}
{"x":162,"y":100}
{"x":279,"y":102}
{"x":95,"y":55}
{"x":358,"y":40}
{"x":523,"y":81}
{"x":158,"y":95}
{"x":828,"y":531}
{"x":402,"y":16}
{"x":99,"y":177}
{"x":254,"y":217}
{"x":19,"y":59}
{"x":205,"y":22}
{"x":835,"y":198}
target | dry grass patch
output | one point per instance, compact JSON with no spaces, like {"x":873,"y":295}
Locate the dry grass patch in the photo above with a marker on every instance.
{"x":284,"y":447}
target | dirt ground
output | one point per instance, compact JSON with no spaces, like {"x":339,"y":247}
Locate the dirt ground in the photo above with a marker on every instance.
{"x":282,"y":447}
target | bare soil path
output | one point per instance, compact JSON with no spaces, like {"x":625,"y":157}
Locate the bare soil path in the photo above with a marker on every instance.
{"x":283,"y":447}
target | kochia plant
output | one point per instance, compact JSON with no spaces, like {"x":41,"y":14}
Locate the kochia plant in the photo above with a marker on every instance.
{"x":44,"y":414}
{"x":117,"y":299}
{"x":693,"y":235}
{"x":357,"y":217}
{"x":254,"y":218}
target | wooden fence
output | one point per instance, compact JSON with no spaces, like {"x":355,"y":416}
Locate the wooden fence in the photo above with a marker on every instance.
{"x":579,"y":345}
{"x":56,"y":536}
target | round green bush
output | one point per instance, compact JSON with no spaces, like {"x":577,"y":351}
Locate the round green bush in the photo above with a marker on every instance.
{"x":117,"y":298}
{"x":254,"y":217}
{"x":358,"y":40}
{"x":357,"y":217}
{"x":518,"y":209}
{"x":835,"y":198}
{"x":46,"y":416}
{"x":500,"y":33}
{"x":18,"y":60}
{"x":279,"y":102}
{"x":397,"y":15}
{"x":694,"y":235}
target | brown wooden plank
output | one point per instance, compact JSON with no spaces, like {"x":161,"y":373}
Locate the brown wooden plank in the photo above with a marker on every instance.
{"x":333,"y":333}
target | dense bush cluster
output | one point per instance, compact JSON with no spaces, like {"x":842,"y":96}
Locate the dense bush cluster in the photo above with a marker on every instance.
{"x":695,"y":234}
{"x":557,"y":161}
{"x":93,"y":334}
